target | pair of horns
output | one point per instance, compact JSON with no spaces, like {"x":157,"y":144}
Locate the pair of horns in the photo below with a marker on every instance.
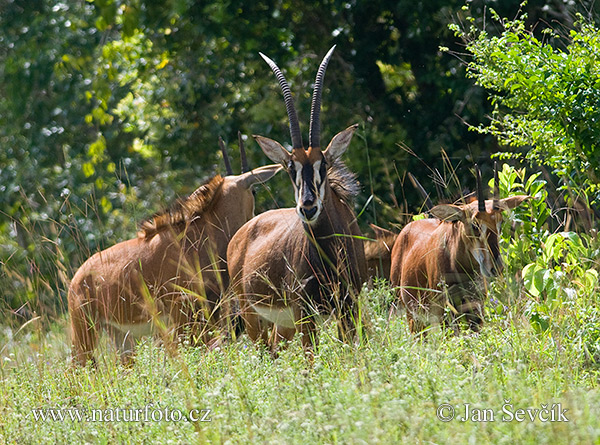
{"x":314,"y":134}
{"x":480,"y":197}
{"x":245,"y":167}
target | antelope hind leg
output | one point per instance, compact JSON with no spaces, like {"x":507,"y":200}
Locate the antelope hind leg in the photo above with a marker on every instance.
{"x":84,"y":336}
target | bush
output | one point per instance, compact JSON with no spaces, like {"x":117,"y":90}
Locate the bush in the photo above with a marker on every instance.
{"x":545,"y":95}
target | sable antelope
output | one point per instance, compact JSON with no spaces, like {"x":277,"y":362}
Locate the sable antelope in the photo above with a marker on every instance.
{"x":171,"y":275}
{"x":435,"y":261}
{"x":288,"y":265}
{"x":378,"y":252}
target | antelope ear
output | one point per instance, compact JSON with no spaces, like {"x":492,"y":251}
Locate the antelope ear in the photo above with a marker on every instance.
{"x":513,"y":201}
{"x":274,"y":150}
{"x":448,"y":212}
{"x":380,"y":232}
{"x":261,"y":174}
{"x":339,"y":144}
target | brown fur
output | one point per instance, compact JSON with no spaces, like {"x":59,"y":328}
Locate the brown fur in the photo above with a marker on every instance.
{"x":378,"y":253}
{"x":282,"y":265}
{"x":168,"y":279}
{"x":273,"y":261}
{"x":433,"y":264}
{"x":184,"y":210}
{"x":343,"y":182}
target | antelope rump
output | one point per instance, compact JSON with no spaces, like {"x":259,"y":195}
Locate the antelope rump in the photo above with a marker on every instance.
{"x":169,"y":279}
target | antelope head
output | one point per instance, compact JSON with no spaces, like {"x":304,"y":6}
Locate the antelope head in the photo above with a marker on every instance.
{"x":479,"y":225}
{"x":307,"y":168}
{"x":238,"y":189}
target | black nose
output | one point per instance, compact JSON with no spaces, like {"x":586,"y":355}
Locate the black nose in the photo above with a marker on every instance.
{"x":309,"y":213}
{"x":308,"y":201}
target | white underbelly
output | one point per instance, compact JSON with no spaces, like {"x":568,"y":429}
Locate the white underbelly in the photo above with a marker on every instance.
{"x":139,"y":330}
{"x":280,"y":316}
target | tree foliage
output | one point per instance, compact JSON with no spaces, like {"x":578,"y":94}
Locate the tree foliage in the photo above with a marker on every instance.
{"x":111,"y":108}
{"x":545,"y":94}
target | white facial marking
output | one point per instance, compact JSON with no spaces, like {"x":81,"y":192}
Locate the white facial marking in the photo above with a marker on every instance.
{"x":298,"y":167}
{"x":321,"y":192}
{"x":482,"y":254}
{"x":317,"y":172}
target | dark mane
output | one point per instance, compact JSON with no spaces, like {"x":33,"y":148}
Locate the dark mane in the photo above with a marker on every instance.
{"x":343,"y":182}
{"x":184,"y":210}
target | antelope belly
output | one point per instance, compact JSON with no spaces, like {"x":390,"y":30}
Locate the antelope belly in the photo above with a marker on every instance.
{"x":138,"y":330}
{"x":281,"y":316}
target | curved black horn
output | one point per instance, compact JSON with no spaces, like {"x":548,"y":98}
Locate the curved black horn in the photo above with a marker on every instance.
{"x":416,"y":184}
{"x":243,"y":158}
{"x":480,"y":198}
{"x":225,"y":156}
{"x":289,"y":103}
{"x":496,"y":201}
{"x":314,"y":134}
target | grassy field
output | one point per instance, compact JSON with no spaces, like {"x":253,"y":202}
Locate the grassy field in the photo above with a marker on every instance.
{"x":390,"y":388}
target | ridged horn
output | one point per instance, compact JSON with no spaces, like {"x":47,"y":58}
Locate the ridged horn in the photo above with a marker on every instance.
{"x":416,"y":184}
{"x":225,"y":156}
{"x":243,"y":158}
{"x":314,"y":134}
{"x":480,"y":198}
{"x":289,"y":103}
{"x":496,"y":201}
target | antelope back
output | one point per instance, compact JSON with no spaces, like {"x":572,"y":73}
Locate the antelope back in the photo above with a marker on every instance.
{"x":173,"y":268}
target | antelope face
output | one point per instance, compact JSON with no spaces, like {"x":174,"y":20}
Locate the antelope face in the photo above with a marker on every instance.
{"x":479,"y":229}
{"x":308,"y":170}
{"x":481,"y":237}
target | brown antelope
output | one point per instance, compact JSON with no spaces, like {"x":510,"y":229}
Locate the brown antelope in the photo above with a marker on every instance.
{"x":436,"y":261}
{"x":378,"y":252}
{"x":289,"y":265}
{"x":170,"y":276}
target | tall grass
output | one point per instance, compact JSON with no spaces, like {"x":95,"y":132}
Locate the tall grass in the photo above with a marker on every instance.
{"x":387,"y":389}
{"x":383,"y":391}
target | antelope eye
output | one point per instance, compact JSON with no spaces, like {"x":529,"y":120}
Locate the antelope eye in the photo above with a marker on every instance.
{"x":292,"y":171}
{"x":323,"y":169}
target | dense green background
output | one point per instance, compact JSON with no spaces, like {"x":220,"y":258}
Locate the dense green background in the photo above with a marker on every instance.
{"x":110,"y":109}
